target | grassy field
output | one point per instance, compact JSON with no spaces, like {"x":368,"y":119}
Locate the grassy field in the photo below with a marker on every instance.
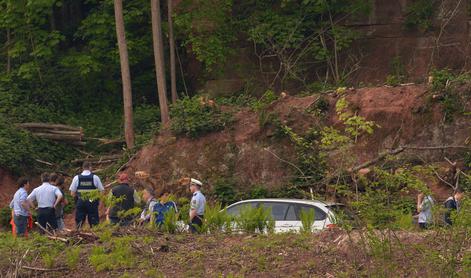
{"x":145,"y":253}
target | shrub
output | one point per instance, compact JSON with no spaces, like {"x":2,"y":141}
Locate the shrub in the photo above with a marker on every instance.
{"x":420,"y":15}
{"x":224,"y":191}
{"x":217,"y":220}
{"x":118,"y":255}
{"x":170,"y":224}
{"x":255,"y":220}
{"x":262,"y":103}
{"x":72,"y":256}
{"x":5,"y":217}
{"x":307,"y":220}
{"x":191,"y":117}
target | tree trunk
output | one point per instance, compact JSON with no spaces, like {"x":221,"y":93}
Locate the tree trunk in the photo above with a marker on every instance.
{"x":8,"y":51}
{"x":159,"y":60}
{"x":125,"y":74}
{"x":171,"y":44}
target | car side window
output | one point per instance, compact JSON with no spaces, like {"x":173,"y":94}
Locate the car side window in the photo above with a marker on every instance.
{"x":235,"y":210}
{"x":319,"y":214}
{"x":278,"y":210}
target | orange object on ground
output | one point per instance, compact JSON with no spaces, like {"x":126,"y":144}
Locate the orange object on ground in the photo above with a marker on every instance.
{"x":28,"y":227}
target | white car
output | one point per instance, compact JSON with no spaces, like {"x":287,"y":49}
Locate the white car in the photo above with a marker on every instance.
{"x":286,"y":212}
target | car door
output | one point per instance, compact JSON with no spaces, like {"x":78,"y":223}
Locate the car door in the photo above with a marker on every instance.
{"x":234,"y":211}
{"x":293,"y":216}
{"x":278,"y":211}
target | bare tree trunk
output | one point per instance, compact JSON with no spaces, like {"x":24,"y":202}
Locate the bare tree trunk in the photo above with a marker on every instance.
{"x":159,"y":60}
{"x":125,"y":74}
{"x":171,"y":43}
{"x":8,"y":51}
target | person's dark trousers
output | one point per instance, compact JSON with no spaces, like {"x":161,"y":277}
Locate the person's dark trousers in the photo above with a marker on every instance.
{"x":86,"y":210}
{"x":196,"y":223}
{"x":21,"y":222}
{"x":47,"y":218}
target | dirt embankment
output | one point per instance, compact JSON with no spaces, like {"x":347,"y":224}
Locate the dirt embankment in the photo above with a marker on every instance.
{"x":7,"y":187}
{"x":251,"y":153}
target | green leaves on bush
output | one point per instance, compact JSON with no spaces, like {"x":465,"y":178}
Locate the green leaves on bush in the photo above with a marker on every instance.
{"x":255,"y":220}
{"x":191,"y":117}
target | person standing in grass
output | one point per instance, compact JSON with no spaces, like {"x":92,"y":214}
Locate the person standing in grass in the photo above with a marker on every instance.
{"x":85,"y":208}
{"x":48,"y":198}
{"x":20,"y":207}
{"x":424,"y":207}
{"x":197,"y":206}
{"x":58,"y":181}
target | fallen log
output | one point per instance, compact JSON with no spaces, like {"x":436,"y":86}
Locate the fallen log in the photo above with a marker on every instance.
{"x":59,"y":137}
{"x":49,"y":126}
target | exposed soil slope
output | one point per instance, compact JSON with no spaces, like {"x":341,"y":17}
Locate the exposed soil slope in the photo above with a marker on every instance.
{"x":253,"y":155}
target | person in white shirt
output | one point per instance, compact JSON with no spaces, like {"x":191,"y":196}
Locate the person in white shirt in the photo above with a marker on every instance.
{"x":86,"y":208}
{"x":47,"y":197}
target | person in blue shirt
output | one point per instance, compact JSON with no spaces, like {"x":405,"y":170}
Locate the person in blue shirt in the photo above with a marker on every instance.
{"x":197,"y":205}
{"x":20,"y":207}
{"x":85,"y":208}
{"x":163,"y":206}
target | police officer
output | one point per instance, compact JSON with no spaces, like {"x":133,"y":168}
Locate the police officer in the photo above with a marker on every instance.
{"x":85,"y":208}
{"x":197,"y":205}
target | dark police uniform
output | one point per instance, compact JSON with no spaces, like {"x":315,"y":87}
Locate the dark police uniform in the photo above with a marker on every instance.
{"x":86,"y":209}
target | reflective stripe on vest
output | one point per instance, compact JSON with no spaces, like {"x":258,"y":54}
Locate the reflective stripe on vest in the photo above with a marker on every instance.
{"x":86,"y":183}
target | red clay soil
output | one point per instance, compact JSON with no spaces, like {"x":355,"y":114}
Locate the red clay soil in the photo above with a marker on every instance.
{"x":7,"y":187}
{"x":250,"y":153}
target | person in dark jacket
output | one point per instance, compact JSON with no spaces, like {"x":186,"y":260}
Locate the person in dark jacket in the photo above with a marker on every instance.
{"x":453,"y":204}
{"x":125,"y":198}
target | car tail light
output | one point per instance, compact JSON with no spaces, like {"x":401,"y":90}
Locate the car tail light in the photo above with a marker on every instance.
{"x":331,"y":226}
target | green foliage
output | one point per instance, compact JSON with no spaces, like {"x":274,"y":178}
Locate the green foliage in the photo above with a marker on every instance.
{"x":255,"y":220}
{"x":72,"y":257}
{"x":307,"y":220}
{"x":224,"y":191}
{"x":300,"y":33}
{"x":447,"y":84}
{"x":354,"y":125}
{"x":420,"y":14}
{"x":5,"y":217}
{"x":441,"y":79}
{"x":192,"y":118}
{"x":117,"y":255}
{"x":170,"y":224}
{"x":207,"y":29}
{"x":217,"y":220}
{"x":262,"y":103}
{"x":385,"y":203}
